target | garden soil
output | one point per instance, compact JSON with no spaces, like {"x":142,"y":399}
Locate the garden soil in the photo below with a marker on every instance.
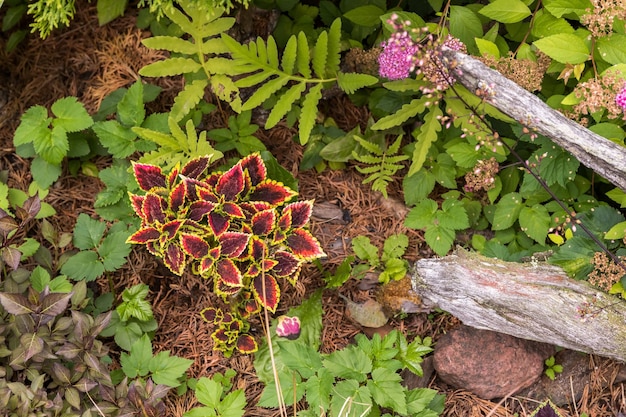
{"x":89,"y":62}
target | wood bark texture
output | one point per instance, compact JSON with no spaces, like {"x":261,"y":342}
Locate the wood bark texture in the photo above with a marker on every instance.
{"x":533,"y":301}
{"x":592,"y":150}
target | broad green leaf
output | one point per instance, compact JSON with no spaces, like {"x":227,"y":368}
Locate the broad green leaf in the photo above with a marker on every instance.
{"x":119,"y":140}
{"x":387,"y":390}
{"x":320,"y":55}
{"x":109,"y":10}
{"x":416,"y":106}
{"x":566,"y":48}
{"x":418,"y":186}
{"x":368,"y":15}
{"x":114,"y":250}
{"x":618,"y":231}
{"x":166,"y":369}
{"x":422,"y":215}
{"x":507,"y":211}
{"x":419,"y":399}
{"x":558,"y":8}
{"x":453,"y":215}
{"x":487,"y":48}
{"x":45,"y":173}
{"x":575,"y":257}
{"x":53,"y":145}
{"x":440,"y":239}
{"x":300,"y":357}
{"x":612,"y":48}
{"x":308,"y":113}
{"x":546,"y":24}
{"x":535,"y":221}
{"x":209,"y":392}
{"x":130,"y":109}
{"x":318,"y":389}
{"x":70,"y":114}
{"x":88,"y":232}
{"x":333,"y":60}
{"x":169,"y":67}
{"x":137,"y":362}
{"x":609,"y":131}
{"x":233,"y":404}
{"x":350,"y":399}
{"x":284,"y":104}
{"x":426,"y":136}
{"x":465,"y":25}
{"x":364,"y":249}
{"x":349,"y":363}
{"x":83,"y":265}
{"x":506,"y":11}
{"x":558,"y":166}
{"x":350,"y":82}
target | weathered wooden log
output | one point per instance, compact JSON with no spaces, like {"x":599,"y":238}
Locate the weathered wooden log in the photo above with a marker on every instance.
{"x":535,"y":301}
{"x":592,"y":150}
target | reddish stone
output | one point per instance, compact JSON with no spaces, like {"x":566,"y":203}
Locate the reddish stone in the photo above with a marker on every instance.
{"x":489,"y":364}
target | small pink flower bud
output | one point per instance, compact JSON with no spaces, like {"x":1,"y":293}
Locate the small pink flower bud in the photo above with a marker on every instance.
{"x":288,"y":327}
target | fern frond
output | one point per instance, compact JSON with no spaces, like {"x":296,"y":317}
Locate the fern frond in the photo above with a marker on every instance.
{"x":406,"y":84}
{"x":309,"y":113}
{"x":284,"y":104}
{"x":407,"y":111}
{"x":370,"y":169}
{"x":350,"y":82}
{"x":164,"y":140}
{"x":320,"y":55}
{"x":264,"y":92}
{"x":213,"y":46}
{"x":289,"y":55}
{"x":172,"y":44}
{"x":303,"y":58}
{"x":334,"y":48}
{"x":253,"y":79}
{"x":383,"y":164}
{"x":169,"y":67}
{"x":188,"y":99}
{"x":425,"y":138}
{"x":395,"y":146}
{"x":261,"y":49}
{"x":369,"y":146}
{"x":272,"y":52}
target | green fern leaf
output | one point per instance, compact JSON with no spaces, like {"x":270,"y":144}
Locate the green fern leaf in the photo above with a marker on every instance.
{"x":169,"y":67}
{"x":302,"y":58}
{"x":369,"y":146}
{"x":350,"y":82}
{"x":212,"y":27}
{"x":264,"y":92}
{"x":406,"y":84}
{"x":383,"y":163}
{"x":425,"y":138}
{"x":181,"y":20}
{"x":284,"y":104}
{"x":320,"y":55}
{"x":334,"y":48}
{"x":253,"y":79}
{"x":214,"y":46}
{"x":308,"y":114}
{"x":172,"y":44}
{"x":395,"y":146}
{"x":370,"y":169}
{"x":225,"y":89}
{"x":407,"y":111}
{"x":162,"y":139}
{"x":289,"y":55}
{"x":188,"y":99}
{"x":261,"y":49}
{"x":272,"y":52}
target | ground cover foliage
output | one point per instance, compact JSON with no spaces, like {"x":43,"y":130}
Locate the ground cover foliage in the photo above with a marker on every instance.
{"x":210,"y":155}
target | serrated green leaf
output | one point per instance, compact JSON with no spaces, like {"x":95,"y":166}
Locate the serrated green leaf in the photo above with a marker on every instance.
{"x":618,"y":231}
{"x":119,"y":140}
{"x":162,"y":139}
{"x":558,"y":166}
{"x":302,"y":57}
{"x":70,"y":115}
{"x":506,"y":11}
{"x":612,"y":49}
{"x":351,"y":82}
{"x":264,"y":92}
{"x":83,"y":265}
{"x":566,"y":48}
{"x":320,"y":55}
{"x":465,"y":25}
{"x":53,"y":145}
{"x":130,"y":109}
{"x":233,"y":404}
{"x":507,"y":211}
{"x":440,"y":239}
{"x":395,"y":246}
{"x":209,"y":392}
{"x":349,"y":363}
{"x":422,"y":215}
{"x":170,"y":67}
{"x":137,"y":362}
{"x":453,"y":215}
{"x":318,"y":389}
{"x":308,"y":113}
{"x":166,"y":369}
{"x":387,"y":390}
{"x":575,"y":257}
{"x":535,"y":221}
{"x":426,"y":136}
{"x":350,"y":399}
{"x":419,"y":399}
{"x":88,"y":232}
{"x":363,"y":248}
{"x":45,"y":173}
{"x":558,"y":8}
{"x":284,"y":104}
{"x":114,"y":250}
{"x":300,"y":357}
{"x":416,"y":106}
{"x":368,"y":15}
{"x":418,"y":186}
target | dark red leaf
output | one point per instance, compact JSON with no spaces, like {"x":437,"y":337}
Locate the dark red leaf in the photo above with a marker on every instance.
{"x":195,"y":167}
{"x":225,"y":290}
{"x":205,"y":265}
{"x":258,"y":249}
{"x":233,"y":210}
{"x":268,"y":264}
{"x":300,"y":212}
{"x":215,"y":252}
{"x":235,"y":326}
{"x":213,"y":178}
{"x":177,"y":197}
{"x":284,"y":221}
{"x":136,"y":202}
{"x":173,"y":176}
{"x":232,"y":244}
{"x":154,"y":249}
{"x":199,"y":209}
{"x":192,"y":185}
{"x":207,"y":195}
{"x":304,"y":246}
{"x":170,"y":229}
{"x":227,"y":318}
{"x":279,"y":236}
{"x":220,"y":336}
{"x":194,"y":246}
{"x":218,"y":222}
{"x":174,"y":259}
{"x":255,"y":167}
{"x":250,"y":307}
{"x":246,"y":344}
{"x":210,"y":314}
{"x":149,"y":176}
{"x":141,"y":236}
{"x":230,"y":183}
{"x":228,"y":273}
{"x":266,"y":291}
{"x":263,"y":222}
{"x":287,"y":264}
{"x":154,"y":209}
{"x":253,"y":270}
{"x":272,"y":192}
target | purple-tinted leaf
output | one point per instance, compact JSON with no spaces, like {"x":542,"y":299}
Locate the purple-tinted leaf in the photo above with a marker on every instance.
{"x":231,"y":183}
{"x":288,"y":327}
{"x":207,"y":195}
{"x":279,"y":236}
{"x":54,"y":304}
{"x":195,"y":167}
{"x":212,"y":179}
{"x":61,"y":374}
{"x":273,"y":192}
{"x":232,"y":244}
{"x":233,"y":210}
{"x":136,"y":202}
{"x":154,"y":209}
{"x":205,"y":265}
{"x":149,"y":176}
{"x":218,"y":223}
{"x":287,"y":264}
{"x":255,"y":167}
{"x":210,"y":315}
{"x":145,"y":235}
{"x":228,"y":273}
{"x":192,"y":186}
{"x":300,"y":212}
{"x":33,"y":344}
{"x":86,"y":384}
{"x":69,"y":351}
{"x":177,"y":197}
{"x":16,"y":304}
{"x":173,"y":176}
{"x":266,"y":291}
{"x":194,"y":246}
{"x":225,"y":290}
{"x":170,"y":229}
{"x":268,"y":264}
{"x":250,"y":307}
{"x":546,"y":409}
{"x":154,"y":249}
{"x":174,"y":259}
{"x":199,"y":209}
{"x":7,"y":225}
{"x":263,"y":222}
{"x":220,"y":336}
{"x":246,"y":344}
{"x":11,"y":256}
{"x":253,"y":270}
{"x":284,"y":221}
{"x":32,"y":205}
{"x":258,"y":249}
{"x":304,"y":246}
{"x":215,"y":253}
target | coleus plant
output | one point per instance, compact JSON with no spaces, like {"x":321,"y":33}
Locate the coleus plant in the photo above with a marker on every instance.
{"x":236,"y":227}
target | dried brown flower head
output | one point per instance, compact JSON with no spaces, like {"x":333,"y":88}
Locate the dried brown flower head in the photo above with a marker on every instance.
{"x":605,"y":272}
{"x":600,"y":19}
{"x":525,"y":72}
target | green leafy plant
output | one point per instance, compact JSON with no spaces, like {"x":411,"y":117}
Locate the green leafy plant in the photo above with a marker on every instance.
{"x":238,"y":136}
{"x":235,"y":228}
{"x":389,"y":264}
{"x":213,"y":393}
{"x":552,"y":368}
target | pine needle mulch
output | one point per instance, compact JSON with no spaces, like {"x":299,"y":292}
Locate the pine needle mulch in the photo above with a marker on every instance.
{"x":89,"y":62}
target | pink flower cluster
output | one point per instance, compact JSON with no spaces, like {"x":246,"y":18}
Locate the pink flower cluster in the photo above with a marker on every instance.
{"x":620,"y":99}
{"x":398,"y":58}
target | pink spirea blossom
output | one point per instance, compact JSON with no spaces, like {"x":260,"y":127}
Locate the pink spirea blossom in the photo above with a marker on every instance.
{"x":398,"y":57}
{"x":288,"y":327}
{"x":620,"y":99}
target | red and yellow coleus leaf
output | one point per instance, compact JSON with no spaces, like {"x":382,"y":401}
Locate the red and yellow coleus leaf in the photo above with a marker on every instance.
{"x":249,"y":308}
{"x":145,"y":235}
{"x":263,"y":222}
{"x":205,"y":265}
{"x":170,"y":229}
{"x":231,"y":183}
{"x":196,"y":167}
{"x":194,"y":246}
{"x":211,"y":315}
{"x":192,"y":185}
{"x":220,"y":337}
{"x":177,"y":197}
{"x":266,"y":291}
{"x":174,"y":259}
{"x":224,"y":290}
{"x":303,"y":245}
{"x":136,"y":202}
{"x":228,"y":273}
{"x":284,"y":221}
{"x":149,"y":176}
{"x":300,"y":212}
{"x":246,"y":344}
{"x":199,"y":209}
{"x":255,"y":168}
{"x":286,"y":264}
{"x":154,"y":208}
{"x":173,"y":175}
{"x":233,"y":210}
{"x":272,"y":192}
{"x":258,"y":249}
{"x":219,"y":223}
{"x":232,"y":244}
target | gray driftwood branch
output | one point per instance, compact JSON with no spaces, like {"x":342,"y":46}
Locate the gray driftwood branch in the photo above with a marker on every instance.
{"x":533,"y":301}
{"x":594,"y":151}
